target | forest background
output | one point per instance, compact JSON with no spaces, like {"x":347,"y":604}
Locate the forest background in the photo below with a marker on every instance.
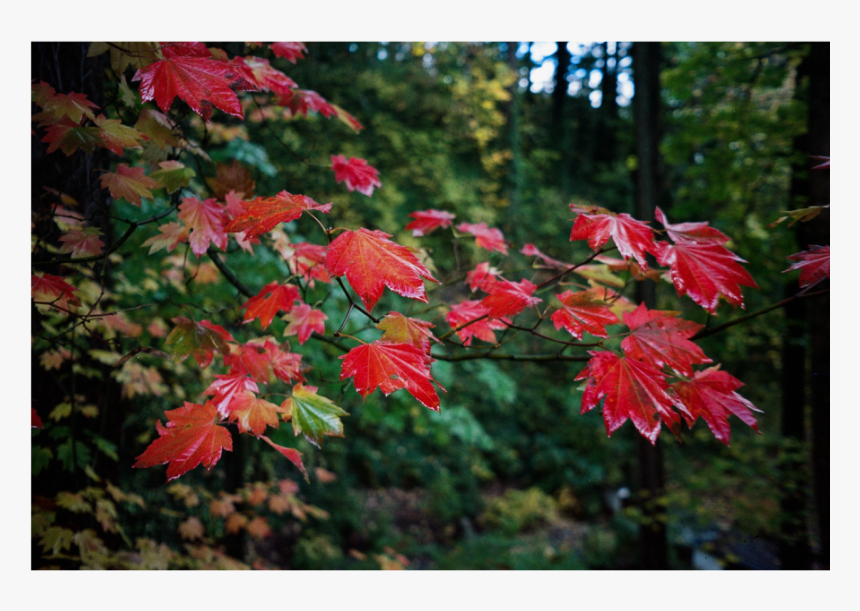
{"x":560,"y":165}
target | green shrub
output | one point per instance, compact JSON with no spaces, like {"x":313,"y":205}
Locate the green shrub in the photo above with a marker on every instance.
{"x":519,"y":510}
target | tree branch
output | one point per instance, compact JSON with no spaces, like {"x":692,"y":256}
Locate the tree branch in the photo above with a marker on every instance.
{"x":133,"y":225}
{"x":512,"y":357}
{"x":713,"y":330}
{"x":562,"y":274}
{"x":228,"y":273}
{"x":463,"y":326}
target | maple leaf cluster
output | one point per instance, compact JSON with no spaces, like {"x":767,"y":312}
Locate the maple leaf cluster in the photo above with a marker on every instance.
{"x":195,"y":434}
{"x":634,"y":385}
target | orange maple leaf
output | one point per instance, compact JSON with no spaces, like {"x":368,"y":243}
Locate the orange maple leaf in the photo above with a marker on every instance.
{"x":371,"y":262}
{"x":190,"y":437}
{"x":264,"y":213}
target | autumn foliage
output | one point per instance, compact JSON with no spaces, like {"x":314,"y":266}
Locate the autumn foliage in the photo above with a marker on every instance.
{"x":656,"y":376}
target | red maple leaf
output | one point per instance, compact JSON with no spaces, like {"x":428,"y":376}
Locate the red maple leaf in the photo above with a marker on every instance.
{"x":302,"y":101}
{"x":286,"y":365}
{"x":658,"y":337}
{"x":253,"y":414}
{"x":371,"y":262}
{"x":304,"y":320}
{"x":271,"y":299}
{"x":82,"y":242}
{"x":508,"y":298}
{"x":632,"y":238}
{"x":206,"y":220}
{"x":188,"y":71}
{"x":251,"y":358}
{"x":357,"y":175}
{"x":711,"y":395}
{"x":54,"y":290}
{"x":261,"y":75}
{"x":705,"y":271}
{"x":391,"y":367}
{"x":289,"y":50}
{"x":400,"y":329}
{"x":633,"y":389}
{"x":199,"y":339}
{"x":482,"y":277}
{"x":264,"y":213}
{"x":489,"y":238}
{"x":260,"y":358}
{"x":468,"y":311}
{"x":814,"y":264}
{"x":583,"y":311}
{"x":226,"y":387}
{"x":305,"y":259}
{"x":190,"y":437}
{"x":309,"y":263}
{"x":35,"y":421}
{"x":294,"y":456}
{"x":428,"y":221}
{"x":700,"y":233}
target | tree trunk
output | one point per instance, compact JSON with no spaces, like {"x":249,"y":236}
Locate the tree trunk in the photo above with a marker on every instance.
{"x":794,"y":552}
{"x":559,"y":92}
{"x":818,"y":232}
{"x":608,"y":113}
{"x":559,"y":135}
{"x":646,"y":62}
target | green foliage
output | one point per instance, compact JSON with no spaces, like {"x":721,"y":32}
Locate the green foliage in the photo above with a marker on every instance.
{"x":519,"y":510}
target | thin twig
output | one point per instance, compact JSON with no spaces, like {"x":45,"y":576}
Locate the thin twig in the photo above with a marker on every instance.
{"x":133,"y":225}
{"x":562,"y":274}
{"x":708,"y":332}
{"x":512,"y":357}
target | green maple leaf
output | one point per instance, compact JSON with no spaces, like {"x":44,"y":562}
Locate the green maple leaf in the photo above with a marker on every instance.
{"x":313,"y":415}
{"x":172,"y":175}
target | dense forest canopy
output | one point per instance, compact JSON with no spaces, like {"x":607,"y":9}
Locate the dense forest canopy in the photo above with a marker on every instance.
{"x":234,"y":245}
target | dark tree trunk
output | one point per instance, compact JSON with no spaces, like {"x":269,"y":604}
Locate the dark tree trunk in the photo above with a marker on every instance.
{"x":818,"y":232}
{"x":646,"y":109}
{"x":794,"y":549}
{"x":794,"y":552}
{"x":560,"y":136}
{"x":559,"y":92}
{"x":605,"y":145}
